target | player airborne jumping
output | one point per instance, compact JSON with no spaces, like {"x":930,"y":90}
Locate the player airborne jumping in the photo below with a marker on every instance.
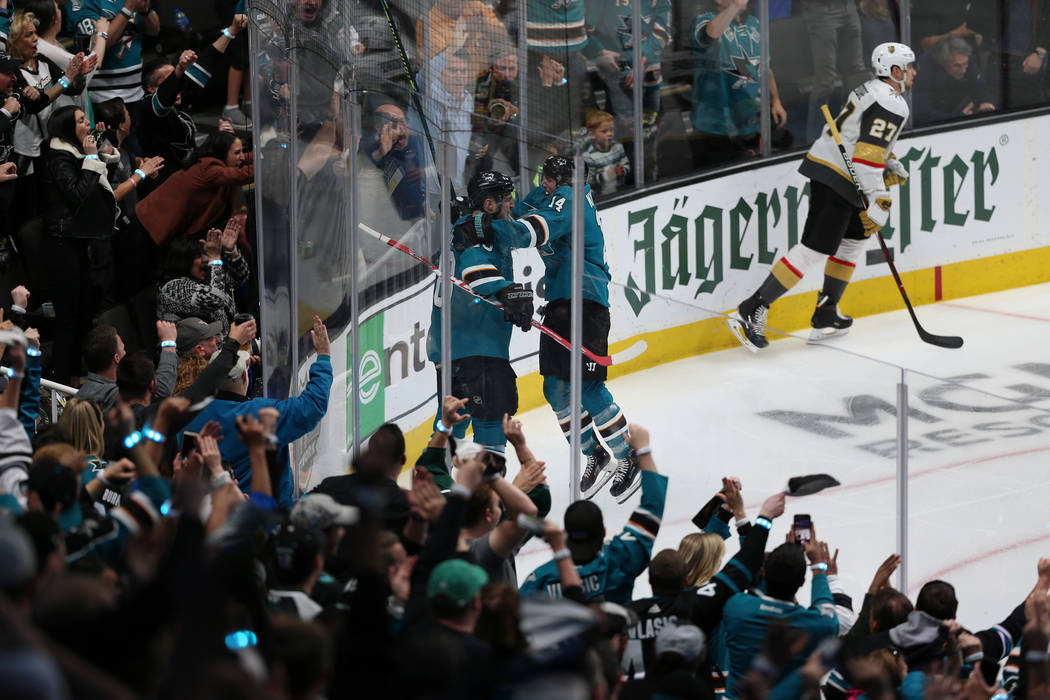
{"x":837,"y":226}
{"x":481,"y":368}
{"x":546,"y":213}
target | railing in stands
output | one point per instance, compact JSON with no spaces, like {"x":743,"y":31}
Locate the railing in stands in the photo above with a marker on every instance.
{"x":60,"y":393}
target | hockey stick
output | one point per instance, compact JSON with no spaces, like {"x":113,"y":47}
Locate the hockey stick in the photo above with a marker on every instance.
{"x":403,"y":55}
{"x":603,"y":360}
{"x":944,"y":341}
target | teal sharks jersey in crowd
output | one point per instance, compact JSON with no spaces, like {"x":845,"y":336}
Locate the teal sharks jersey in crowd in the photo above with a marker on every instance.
{"x":725,"y":78}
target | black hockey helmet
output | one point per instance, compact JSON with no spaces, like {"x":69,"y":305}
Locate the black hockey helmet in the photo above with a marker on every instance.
{"x":559,"y":169}
{"x":488,"y":183}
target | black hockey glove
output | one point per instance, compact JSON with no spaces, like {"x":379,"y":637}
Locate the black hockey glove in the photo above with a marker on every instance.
{"x":472,"y":231}
{"x":517,"y":305}
{"x":460,"y":207}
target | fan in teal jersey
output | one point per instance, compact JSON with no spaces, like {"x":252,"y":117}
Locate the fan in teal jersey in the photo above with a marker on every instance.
{"x":481,"y":332}
{"x":608,"y":569}
{"x":725,"y":84}
{"x":120,"y":74}
{"x":749,"y":616}
{"x":610,"y":45}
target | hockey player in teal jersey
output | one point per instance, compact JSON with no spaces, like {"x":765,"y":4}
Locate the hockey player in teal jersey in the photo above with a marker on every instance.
{"x":608,"y":570}
{"x":546,"y":212}
{"x":748,"y":616}
{"x":481,"y":332}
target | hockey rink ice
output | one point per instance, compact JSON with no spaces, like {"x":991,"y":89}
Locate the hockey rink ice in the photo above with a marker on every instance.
{"x":979,"y":486}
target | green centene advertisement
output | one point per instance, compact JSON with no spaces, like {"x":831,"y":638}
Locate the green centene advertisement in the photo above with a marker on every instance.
{"x":372,"y":403}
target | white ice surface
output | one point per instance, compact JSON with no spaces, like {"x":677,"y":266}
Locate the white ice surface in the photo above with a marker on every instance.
{"x":979,"y":492}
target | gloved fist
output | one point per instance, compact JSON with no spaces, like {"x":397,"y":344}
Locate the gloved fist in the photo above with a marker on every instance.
{"x":877,"y":213}
{"x":895,"y":173}
{"x":517,"y":305}
{"x":483,"y":229}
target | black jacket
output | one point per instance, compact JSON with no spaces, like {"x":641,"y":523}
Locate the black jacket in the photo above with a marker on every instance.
{"x":78,"y":203}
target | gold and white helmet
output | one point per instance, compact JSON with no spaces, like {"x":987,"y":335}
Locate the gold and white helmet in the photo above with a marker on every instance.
{"x":886,"y":56}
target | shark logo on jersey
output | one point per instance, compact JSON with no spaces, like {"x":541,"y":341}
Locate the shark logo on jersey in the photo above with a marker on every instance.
{"x":742,"y":68}
{"x":564,"y":4}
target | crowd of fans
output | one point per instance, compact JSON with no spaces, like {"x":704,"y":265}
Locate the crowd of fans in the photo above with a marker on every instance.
{"x":701,"y":75}
{"x":152,"y":549}
{"x":152,"y":542}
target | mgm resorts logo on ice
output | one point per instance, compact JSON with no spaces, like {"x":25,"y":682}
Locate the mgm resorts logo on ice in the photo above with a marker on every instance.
{"x":696,"y":246}
{"x":941,"y":416}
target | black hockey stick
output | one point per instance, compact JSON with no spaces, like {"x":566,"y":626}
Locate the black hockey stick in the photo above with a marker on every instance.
{"x":944,"y":341}
{"x":414,"y":87}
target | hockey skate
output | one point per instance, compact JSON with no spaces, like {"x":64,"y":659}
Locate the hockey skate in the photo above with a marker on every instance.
{"x":627,"y":479}
{"x":827,"y":323}
{"x":596,"y":473}
{"x":749,"y":323}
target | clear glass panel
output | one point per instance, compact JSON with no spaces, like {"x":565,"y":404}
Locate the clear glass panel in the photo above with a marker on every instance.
{"x":398,"y":198}
{"x":978,"y":485}
{"x":967,"y":54}
{"x":818,"y":57}
{"x":609,"y":135}
{"x":274,"y":167}
{"x":710,"y":113}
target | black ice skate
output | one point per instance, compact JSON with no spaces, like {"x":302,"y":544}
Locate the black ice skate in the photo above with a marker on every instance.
{"x":749,"y":323}
{"x":627,"y":479}
{"x":596,"y":473}
{"x":827,"y":323}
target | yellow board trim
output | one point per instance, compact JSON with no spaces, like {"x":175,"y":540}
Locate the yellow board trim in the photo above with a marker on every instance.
{"x":792,"y":313}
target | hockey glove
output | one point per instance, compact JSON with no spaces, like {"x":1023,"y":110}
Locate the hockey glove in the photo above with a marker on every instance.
{"x":476,"y":230}
{"x":517,"y":305}
{"x":483,"y":231}
{"x":460,"y":207}
{"x":895,"y":173}
{"x":877,"y":213}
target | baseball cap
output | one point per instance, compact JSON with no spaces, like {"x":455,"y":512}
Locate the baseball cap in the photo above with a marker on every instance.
{"x":457,"y":580}
{"x":192,"y":331}
{"x":8,"y":64}
{"x":295,"y":550}
{"x":321,"y":511}
{"x":685,"y":640}
{"x":584,"y":530}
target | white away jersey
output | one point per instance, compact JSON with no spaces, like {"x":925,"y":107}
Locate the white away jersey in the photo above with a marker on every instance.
{"x":870,"y":123}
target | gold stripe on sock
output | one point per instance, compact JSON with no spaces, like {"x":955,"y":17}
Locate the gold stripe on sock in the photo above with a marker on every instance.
{"x":839,"y":270}
{"x":785,"y":274}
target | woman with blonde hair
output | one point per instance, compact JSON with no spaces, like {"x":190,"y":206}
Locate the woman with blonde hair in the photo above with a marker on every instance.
{"x":40,"y":82}
{"x":106,"y":482}
{"x":703,"y":553}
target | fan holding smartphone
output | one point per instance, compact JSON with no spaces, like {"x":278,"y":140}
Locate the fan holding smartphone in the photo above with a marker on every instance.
{"x":802,"y":528}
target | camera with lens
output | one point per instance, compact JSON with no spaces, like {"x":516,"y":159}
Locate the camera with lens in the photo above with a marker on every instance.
{"x":500,"y":102}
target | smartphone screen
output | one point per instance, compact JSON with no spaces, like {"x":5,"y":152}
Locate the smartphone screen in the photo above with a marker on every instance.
{"x":189,"y":444}
{"x":803,"y":528}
